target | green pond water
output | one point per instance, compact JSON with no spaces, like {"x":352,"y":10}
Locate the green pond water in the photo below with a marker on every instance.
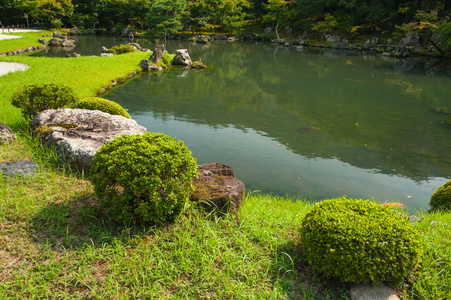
{"x":314,"y":124}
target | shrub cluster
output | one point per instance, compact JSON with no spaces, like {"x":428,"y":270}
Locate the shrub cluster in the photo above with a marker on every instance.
{"x":359,"y":242}
{"x":96,"y":103}
{"x":143,"y":178}
{"x":121,"y":49}
{"x":441,"y":199}
{"x":32,"y":99}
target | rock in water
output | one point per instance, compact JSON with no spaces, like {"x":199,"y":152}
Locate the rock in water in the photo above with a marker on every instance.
{"x":182,"y":58}
{"x":78,"y":133}
{"x":6,"y":134}
{"x":218,"y":188}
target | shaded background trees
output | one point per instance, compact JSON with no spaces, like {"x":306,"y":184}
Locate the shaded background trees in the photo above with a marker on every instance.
{"x":353,"y":17}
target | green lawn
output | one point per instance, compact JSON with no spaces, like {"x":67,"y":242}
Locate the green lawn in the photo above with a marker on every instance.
{"x":56,"y":241}
{"x":27,"y":39}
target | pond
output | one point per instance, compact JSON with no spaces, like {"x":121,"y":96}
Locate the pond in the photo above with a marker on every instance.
{"x":314,"y":124}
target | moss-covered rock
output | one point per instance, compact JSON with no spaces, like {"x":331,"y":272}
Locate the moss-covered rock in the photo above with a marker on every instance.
{"x":96,"y":103}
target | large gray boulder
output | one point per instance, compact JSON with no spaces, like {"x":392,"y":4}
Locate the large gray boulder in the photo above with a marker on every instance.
{"x":6,"y":134}
{"x":217,"y":188}
{"x":182,"y":58}
{"x":78,"y":133}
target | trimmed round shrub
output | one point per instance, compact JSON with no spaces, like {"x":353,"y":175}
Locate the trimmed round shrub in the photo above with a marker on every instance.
{"x":359,"y":241}
{"x":121,"y":49}
{"x":143,"y":178}
{"x":441,"y":199}
{"x":96,"y":103}
{"x":32,"y":99}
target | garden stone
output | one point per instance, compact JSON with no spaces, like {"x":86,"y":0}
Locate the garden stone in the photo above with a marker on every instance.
{"x":372,"y":292}
{"x":267,"y":30}
{"x":232,"y":39}
{"x":104,"y":49}
{"x":77,"y":134}
{"x":42,"y":41}
{"x":75,"y":31}
{"x":56,"y":34}
{"x":436,"y":41}
{"x":21,"y":168}
{"x":6,"y":134}
{"x":145,"y":64}
{"x":136,"y":45}
{"x":182,"y":58}
{"x":198,"y":65}
{"x":221,"y":37}
{"x":218,"y":187}
{"x":333,"y":38}
{"x":412,"y":39}
{"x":374,"y":41}
{"x":73,"y":55}
{"x":106,"y":54}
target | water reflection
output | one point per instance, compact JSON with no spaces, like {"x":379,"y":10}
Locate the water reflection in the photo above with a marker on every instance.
{"x":316,"y":123}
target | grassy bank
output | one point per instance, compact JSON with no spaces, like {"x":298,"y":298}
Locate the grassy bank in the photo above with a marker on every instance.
{"x":57,"y":242}
{"x":85,"y":75}
{"x":27,"y":39}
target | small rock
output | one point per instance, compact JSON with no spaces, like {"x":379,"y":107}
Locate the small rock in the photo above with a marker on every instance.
{"x":218,"y":187}
{"x":6,"y":134}
{"x":104,"y":49}
{"x":155,"y":68}
{"x":42,"y":41}
{"x":145,"y":64}
{"x":75,"y":31}
{"x":21,"y":168}
{"x":267,"y":30}
{"x":198,"y":65}
{"x":182,"y":58}
{"x":372,"y":292}
{"x":107,"y":54}
{"x":56,"y":34}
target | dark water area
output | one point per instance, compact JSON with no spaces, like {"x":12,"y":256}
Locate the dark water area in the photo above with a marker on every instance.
{"x":315,"y":124}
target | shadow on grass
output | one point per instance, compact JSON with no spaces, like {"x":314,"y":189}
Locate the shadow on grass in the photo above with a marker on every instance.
{"x":298,"y":281}
{"x":75,"y":224}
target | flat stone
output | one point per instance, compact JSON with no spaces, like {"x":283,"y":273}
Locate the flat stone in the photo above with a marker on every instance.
{"x":218,"y":187}
{"x":21,"y":168}
{"x":77,"y":134}
{"x":6,"y":134}
{"x":372,"y":292}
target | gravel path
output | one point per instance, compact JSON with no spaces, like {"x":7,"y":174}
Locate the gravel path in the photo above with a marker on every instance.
{"x":6,"y":67}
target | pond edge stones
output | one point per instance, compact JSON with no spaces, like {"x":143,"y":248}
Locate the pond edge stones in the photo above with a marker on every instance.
{"x":217,"y":189}
{"x":182,"y":58}
{"x":77,"y":134}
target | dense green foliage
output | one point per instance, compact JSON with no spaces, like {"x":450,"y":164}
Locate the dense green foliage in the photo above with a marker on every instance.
{"x":445,"y":33}
{"x":143,"y":177}
{"x":96,"y":103}
{"x":32,"y":99}
{"x":441,"y":199}
{"x":360,"y":242}
{"x":121,"y":49}
{"x":161,"y":17}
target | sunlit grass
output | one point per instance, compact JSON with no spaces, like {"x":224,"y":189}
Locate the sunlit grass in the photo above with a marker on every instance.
{"x":27,"y":39}
{"x":85,"y":75}
{"x":57,"y":242}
